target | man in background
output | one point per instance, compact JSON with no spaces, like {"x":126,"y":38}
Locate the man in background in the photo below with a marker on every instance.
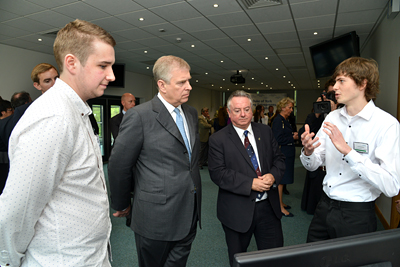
{"x":44,"y":76}
{"x":159,"y":141}
{"x":247,"y":165}
{"x":359,"y":144}
{"x":54,"y":208}
{"x":128,"y":102}
{"x":205,"y":125}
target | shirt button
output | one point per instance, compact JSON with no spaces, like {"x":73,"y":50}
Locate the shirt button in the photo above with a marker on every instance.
{"x":340,"y":174}
{"x":349,"y":126}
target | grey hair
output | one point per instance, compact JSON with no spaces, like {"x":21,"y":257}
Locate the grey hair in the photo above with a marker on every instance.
{"x":239,"y":93}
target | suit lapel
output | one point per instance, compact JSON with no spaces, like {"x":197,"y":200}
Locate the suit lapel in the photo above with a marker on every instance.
{"x":165,"y":119}
{"x":239,"y":145}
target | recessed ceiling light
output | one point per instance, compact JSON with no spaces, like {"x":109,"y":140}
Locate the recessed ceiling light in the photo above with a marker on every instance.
{"x":315,"y":33}
{"x":249,"y":40}
{"x":192,"y":45}
{"x":206,"y":73}
{"x":39,"y":40}
{"x":223,"y":79}
{"x":318,"y":81}
{"x":248,"y":88}
{"x":227,"y":89}
{"x":145,"y":51}
{"x":262,"y":83}
{"x":288,"y":81}
{"x":197,"y":81}
{"x":294,"y":87}
{"x":266,"y":57}
{"x":148,"y":68}
{"x":242,"y":86}
{"x":222,"y":61}
{"x":252,"y":78}
{"x":215,"y":5}
{"x":141,"y":19}
{"x":212,"y":84}
{"x":276,"y":69}
{"x":266,"y":85}
{"x":284,"y":76}
{"x":220,"y":87}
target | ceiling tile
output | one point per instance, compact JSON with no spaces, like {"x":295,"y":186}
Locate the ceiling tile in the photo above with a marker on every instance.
{"x":276,"y":26}
{"x":195,"y":25}
{"x":314,"y":8}
{"x":51,"y":18}
{"x":116,"y":8}
{"x":230,"y":19}
{"x":20,"y":7}
{"x":81,"y":10}
{"x":176,"y":11}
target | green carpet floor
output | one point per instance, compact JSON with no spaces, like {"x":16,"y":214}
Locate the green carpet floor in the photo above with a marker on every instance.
{"x":209,"y":248}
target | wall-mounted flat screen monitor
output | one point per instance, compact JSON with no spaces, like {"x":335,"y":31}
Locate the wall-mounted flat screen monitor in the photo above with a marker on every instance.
{"x":119,"y":73}
{"x":378,"y":249}
{"x":327,"y":55}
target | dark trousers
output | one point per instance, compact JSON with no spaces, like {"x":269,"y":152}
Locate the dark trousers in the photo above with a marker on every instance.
{"x":203,"y":154}
{"x":266,"y":227}
{"x":157,"y":253}
{"x":334,"y":219}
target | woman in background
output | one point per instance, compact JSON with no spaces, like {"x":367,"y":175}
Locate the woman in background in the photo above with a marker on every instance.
{"x":259,"y":115}
{"x":221,"y":120}
{"x":285,"y":137}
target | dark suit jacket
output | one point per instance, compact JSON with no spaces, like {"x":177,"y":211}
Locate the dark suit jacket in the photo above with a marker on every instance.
{"x":115,"y":122}
{"x":231,"y":169}
{"x":165,"y":182}
{"x":8,"y":124}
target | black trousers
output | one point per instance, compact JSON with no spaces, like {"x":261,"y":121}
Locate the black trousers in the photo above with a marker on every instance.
{"x":203,"y":153}
{"x":334,"y":219}
{"x":157,"y":253}
{"x":266,"y":227}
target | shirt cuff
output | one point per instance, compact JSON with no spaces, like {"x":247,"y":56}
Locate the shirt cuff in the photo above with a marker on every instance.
{"x":352,"y":158}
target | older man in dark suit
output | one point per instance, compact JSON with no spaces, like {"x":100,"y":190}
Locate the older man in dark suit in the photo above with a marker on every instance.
{"x":157,"y":150}
{"x":128,"y":101}
{"x":246,"y":163}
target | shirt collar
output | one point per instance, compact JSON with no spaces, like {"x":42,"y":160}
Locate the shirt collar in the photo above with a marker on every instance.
{"x":82,"y":107}
{"x":169,"y":107}
{"x":240,"y":131}
{"x":365,"y":113}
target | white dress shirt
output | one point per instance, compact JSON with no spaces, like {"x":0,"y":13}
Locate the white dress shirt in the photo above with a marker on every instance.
{"x":373,"y":165}
{"x":171,"y":111}
{"x":54,"y":209}
{"x":253,"y":143}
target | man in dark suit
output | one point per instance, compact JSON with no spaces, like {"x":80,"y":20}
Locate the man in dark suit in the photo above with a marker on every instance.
{"x":20,"y":102}
{"x":157,"y":150}
{"x":128,"y":102}
{"x":246,"y":163}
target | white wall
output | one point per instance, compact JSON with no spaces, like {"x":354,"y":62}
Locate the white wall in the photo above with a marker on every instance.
{"x":15,"y":70}
{"x":384,"y":47}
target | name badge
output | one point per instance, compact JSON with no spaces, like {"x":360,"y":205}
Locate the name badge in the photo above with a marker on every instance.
{"x":360,"y":147}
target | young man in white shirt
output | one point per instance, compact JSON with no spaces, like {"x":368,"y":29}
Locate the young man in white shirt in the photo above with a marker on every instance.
{"x":359,"y":144}
{"x":54,"y":208}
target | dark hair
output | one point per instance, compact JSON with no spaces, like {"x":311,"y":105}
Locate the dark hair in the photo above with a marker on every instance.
{"x":4,"y":106}
{"x":330,"y":82}
{"x":257,"y":113}
{"x":222,"y":115}
{"x":20,"y":98}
